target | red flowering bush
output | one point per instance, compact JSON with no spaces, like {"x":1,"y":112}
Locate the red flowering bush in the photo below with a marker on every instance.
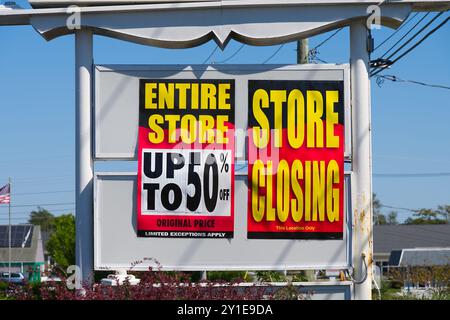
{"x":153,"y":285}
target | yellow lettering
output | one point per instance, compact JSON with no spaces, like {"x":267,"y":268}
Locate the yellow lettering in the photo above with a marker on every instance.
{"x":166,"y":95}
{"x":283,"y":189}
{"x":332,"y":119}
{"x":297,"y":204}
{"x":278,"y":97}
{"x":270,"y":209}
{"x":318,"y":194}
{"x":260,"y":134}
{"x":157,"y":136}
{"x":258,"y":180}
{"x":150,"y":94}
{"x":188,"y":128}
{"x":308,"y":191}
{"x":296,"y":119}
{"x":172,"y":120}
{"x":206,"y":132}
{"x":314,"y":112}
{"x":332,"y":193}
{"x":224,"y":95}
{"x":208,"y":96}
{"x":182,"y":94}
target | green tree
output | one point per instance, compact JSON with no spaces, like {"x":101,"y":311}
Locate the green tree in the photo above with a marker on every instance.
{"x":444,"y":211}
{"x":392,"y":218}
{"x":61,"y":244}
{"x":378,"y":217}
{"x":43,"y":218}
{"x":430,"y":216}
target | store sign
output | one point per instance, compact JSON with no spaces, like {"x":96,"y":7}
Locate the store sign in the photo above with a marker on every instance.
{"x":186,"y":159}
{"x":240,"y":167}
{"x":296,"y":159}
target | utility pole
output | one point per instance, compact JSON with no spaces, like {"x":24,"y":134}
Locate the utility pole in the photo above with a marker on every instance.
{"x":302,"y":51}
{"x":303,"y":58}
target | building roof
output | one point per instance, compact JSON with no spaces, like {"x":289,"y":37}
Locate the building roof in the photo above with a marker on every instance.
{"x":420,"y":257}
{"x":26,"y":243}
{"x":396,"y":237}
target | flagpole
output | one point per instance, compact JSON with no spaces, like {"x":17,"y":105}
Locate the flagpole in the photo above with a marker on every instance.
{"x":9,"y":240}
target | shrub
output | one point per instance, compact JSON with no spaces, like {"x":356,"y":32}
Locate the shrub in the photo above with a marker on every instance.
{"x":154,"y":285}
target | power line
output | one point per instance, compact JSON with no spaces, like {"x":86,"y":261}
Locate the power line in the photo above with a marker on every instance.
{"x":399,"y":208}
{"x":41,"y":192}
{"x":422,"y":40}
{"x":274,"y":54}
{"x":40,"y":179}
{"x":406,"y":34}
{"x":396,"y":31}
{"x":212,"y":53}
{"x":43,"y":205}
{"x":27,"y":218}
{"x":14,"y":213}
{"x":233,"y":55}
{"x":327,"y":39}
{"x":415,"y":45}
{"x":323,"y":61}
{"x":312,"y":53}
{"x":411,"y":175}
{"x":397,"y":79}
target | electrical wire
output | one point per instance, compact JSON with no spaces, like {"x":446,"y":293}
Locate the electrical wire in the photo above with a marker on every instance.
{"x":212,"y":53}
{"x":41,"y":192}
{"x":327,"y":39}
{"x":273,"y":54}
{"x":323,"y":61}
{"x":412,"y":175}
{"x":312,"y":53}
{"x":233,"y":55}
{"x":398,"y":208}
{"x":397,"y":79}
{"x":415,"y":45}
{"x":43,"y":205}
{"x":27,"y":213}
{"x":366,"y":269}
{"x":40,"y":179}
{"x":396,"y":31}
{"x":419,"y":42}
{"x":406,"y":34}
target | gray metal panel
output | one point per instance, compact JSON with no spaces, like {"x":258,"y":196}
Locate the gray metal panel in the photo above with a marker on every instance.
{"x":117,"y":98}
{"x":324,"y":291}
{"x":317,"y":290}
{"x":116,"y":244}
{"x":424,"y":257}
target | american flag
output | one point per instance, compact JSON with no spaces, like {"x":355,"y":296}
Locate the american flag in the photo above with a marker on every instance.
{"x":5,"y":194}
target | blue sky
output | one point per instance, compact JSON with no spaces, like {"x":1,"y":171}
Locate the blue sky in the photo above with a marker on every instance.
{"x":411,"y":131}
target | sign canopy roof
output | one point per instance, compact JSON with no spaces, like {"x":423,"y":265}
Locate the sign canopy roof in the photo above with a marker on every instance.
{"x":418,"y":4}
{"x":189,"y":23}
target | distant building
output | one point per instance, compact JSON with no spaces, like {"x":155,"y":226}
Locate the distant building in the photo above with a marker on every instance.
{"x":420,"y":257}
{"x":432,"y":239}
{"x":27,"y":252}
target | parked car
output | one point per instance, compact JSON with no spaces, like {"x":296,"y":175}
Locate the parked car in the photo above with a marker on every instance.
{"x":16,"y":277}
{"x":51,"y":278}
